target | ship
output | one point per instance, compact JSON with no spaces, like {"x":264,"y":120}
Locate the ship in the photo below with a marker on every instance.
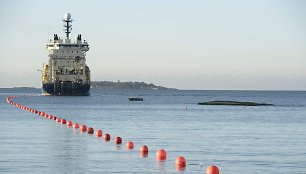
{"x":66,"y":73}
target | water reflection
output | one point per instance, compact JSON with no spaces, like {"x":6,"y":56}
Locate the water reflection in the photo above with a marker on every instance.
{"x":180,"y":169}
{"x":65,"y":149}
{"x":143,"y":154}
{"x":160,"y":164}
{"x":118,"y":147}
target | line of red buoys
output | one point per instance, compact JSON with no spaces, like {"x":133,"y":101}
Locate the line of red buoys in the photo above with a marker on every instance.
{"x":58,"y":120}
{"x":106,"y":137}
{"x":180,"y":162}
{"x":63,"y":121}
{"x":69,"y":123}
{"x":76,"y":125}
{"x":118,"y":140}
{"x":212,"y":170}
{"x":90,"y":130}
{"x":129,"y":145}
{"x":161,"y":154}
{"x":99,"y":133}
{"x":83,"y":128}
{"x":144,"y":149}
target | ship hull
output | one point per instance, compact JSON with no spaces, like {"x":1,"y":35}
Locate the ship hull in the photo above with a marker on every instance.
{"x":66,"y":89}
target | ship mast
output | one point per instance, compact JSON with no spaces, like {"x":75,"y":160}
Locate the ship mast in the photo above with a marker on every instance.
{"x":67,"y":24}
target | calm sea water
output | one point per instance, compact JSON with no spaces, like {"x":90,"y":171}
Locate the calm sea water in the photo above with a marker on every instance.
{"x":265,"y":139}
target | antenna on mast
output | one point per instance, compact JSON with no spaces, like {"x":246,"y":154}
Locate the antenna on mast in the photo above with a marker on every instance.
{"x":67,"y":24}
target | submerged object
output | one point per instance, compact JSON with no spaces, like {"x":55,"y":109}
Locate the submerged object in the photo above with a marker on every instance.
{"x":234,"y":103}
{"x":135,"y":99}
{"x":66,"y":73}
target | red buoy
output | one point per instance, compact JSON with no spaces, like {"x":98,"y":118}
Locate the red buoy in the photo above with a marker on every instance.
{"x":118,"y":140}
{"x":144,"y":149}
{"x":90,"y":130}
{"x":212,"y":170}
{"x":51,"y":117}
{"x":76,"y":125}
{"x":83,"y":128}
{"x":106,"y":137}
{"x":180,"y":162}
{"x":161,"y":154}
{"x":129,"y":145}
{"x":58,"y":120}
{"x":54,"y":117}
{"x":63,"y":121}
{"x":99,"y":133}
{"x":69,"y":123}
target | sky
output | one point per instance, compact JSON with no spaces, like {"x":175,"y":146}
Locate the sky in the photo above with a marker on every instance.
{"x":194,"y":44}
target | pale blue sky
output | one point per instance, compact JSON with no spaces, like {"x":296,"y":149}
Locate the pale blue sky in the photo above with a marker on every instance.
{"x":194,"y":44}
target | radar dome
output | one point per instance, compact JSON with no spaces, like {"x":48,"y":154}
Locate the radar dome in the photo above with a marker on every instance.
{"x":67,"y":16}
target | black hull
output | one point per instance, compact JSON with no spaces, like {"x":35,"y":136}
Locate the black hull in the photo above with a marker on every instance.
{"x":66,"y":89}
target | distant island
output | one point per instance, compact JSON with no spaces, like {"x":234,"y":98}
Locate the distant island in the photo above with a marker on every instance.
{"x":127,"y":85}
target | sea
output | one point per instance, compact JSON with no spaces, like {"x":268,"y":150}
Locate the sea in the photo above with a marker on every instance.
{"x":236,"y":139}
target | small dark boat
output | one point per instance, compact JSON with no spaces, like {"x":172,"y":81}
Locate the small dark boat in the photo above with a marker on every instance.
{"x":135,"y":99}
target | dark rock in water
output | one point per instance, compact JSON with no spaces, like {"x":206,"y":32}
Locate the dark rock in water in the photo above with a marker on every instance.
{"x":234,"y":103}
{"x":135,"y":99}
